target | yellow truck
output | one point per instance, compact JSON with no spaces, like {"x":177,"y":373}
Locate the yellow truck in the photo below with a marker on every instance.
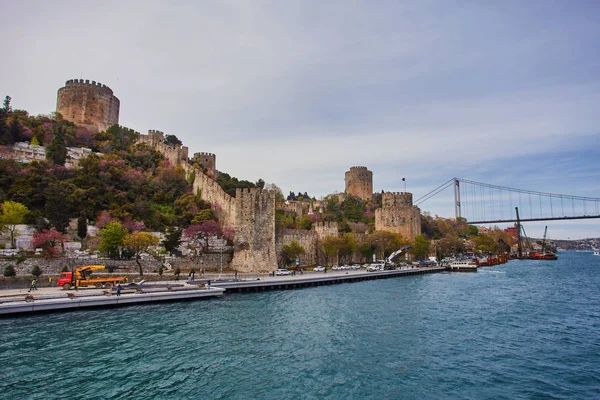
{"x":82,"y":277}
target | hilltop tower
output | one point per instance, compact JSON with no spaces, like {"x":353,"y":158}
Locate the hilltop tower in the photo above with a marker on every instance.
{"x":359,"y":182}
{"x":88,"y":104}
{"x":397,"y":214}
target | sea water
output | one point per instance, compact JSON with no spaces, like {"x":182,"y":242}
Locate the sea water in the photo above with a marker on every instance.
{"x":525,"y":329}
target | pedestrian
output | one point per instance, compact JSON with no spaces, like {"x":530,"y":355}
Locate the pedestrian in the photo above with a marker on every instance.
{"x":50,"y":280}
{"x":208,"y":284}
{"x":118,"y":289}
{"x":236,"y":275}
{"x":33,"y":286}
{"x":193,"y":274}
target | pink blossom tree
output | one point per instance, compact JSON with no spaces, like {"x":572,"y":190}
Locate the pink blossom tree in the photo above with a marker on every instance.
{"x":199,"y":234}
{"x":48,"y":240}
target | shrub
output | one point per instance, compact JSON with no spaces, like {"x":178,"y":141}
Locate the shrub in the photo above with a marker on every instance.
{"x":64,"y":269}
{"x":36,"y":271}
{"x":160,"y":270}
{"x":9,"y":271}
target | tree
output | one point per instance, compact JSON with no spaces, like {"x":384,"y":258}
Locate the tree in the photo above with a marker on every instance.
{"x":291,"y":251}
{"x":111,"y":239}
{"x":305,"y":223}
{"x":48,"y":240}
{"x":353,"y":208}
{"x":13,"y":214}
{"x":57,"y":151}
{"x":57,"y":205}
{"x":9,"y":271}
{"x":140,"y":242}
{"x":385,"y":242}
{"x":198,"y":235}
{"x":172,"y":239}
{"x":329,"y":247}
{"x":36,"y":272}
{"x":421,"y":247}
{"x":172,"y":140}
{"x":6,"y":104}
{"x":348,"y":246}
{"x":204,"y":216}
{"x":82,"y":226}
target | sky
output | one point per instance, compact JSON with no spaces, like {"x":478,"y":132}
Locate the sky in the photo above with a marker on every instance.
{"x":296,"y":92}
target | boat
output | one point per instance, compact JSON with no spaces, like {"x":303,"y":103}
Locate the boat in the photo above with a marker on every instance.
{"x":596,"y":252}
{"x":463,"y":266}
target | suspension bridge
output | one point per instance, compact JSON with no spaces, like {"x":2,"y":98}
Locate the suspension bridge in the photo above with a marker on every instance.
{"x":482,"y":203}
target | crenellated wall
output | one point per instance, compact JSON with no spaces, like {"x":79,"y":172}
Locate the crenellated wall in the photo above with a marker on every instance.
{"x":208,"y":161}
{"x":306,"y":239}
{"x":176,"y":155}
{"x":359,"y":182}
{"x":326,"y":228}
{"x":254,"y":244}
{"x":88,"y":104}
{"x":398,"y":215}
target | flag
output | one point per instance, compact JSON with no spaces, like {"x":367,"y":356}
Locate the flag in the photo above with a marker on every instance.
{"x":403,"y":179}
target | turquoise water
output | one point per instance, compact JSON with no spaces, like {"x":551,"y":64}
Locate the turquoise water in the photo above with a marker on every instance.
{"x":526,"y":329}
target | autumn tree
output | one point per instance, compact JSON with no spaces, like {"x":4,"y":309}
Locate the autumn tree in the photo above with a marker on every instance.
{"x":111,"y":239}
{"x":138,"y":243}
{"x":50,"y":241}
{"x":385,"y":242}
{"x":13,"y":214}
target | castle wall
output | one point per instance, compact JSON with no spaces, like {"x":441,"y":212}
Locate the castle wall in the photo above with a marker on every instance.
{"x":254,"y":242}
{"x":208,"y":161}
{"x":251,"y":212}
{"x":326,"y":228}
{"x":398,"y":215}
{"x":359,"y":182}
{"x":88,"y":104}
{"x":306,"y":239}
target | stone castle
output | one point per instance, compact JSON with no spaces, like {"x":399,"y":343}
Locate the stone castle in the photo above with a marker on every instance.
{"x":88,"y":104}
{"x":257,"y":244}
{"x":359,"y":183}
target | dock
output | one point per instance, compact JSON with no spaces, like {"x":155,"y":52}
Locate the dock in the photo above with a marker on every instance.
{"x":318,"y":279}
{"x":14,"y":304}
{"x":19,"y":302}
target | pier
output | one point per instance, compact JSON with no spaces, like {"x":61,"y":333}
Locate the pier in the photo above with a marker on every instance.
{"x":20,"y":301}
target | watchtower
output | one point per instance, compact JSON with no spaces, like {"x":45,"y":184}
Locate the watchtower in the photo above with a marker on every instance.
{"x":88,"y":104}
{"x":359,"y":182}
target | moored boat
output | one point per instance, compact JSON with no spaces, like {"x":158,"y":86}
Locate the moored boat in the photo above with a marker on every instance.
{"x":463,"y":266}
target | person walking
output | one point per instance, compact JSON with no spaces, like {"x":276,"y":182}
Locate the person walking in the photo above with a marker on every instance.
{"x":118,"y":289}
{"x":33,"y":286}
{"x":208,"y":284}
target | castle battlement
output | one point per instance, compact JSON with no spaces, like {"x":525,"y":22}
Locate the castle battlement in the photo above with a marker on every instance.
{"x":204,"y":154}
{"x":88,"y":103}
{"x":359,"y":182}
{"x":87,"y":83}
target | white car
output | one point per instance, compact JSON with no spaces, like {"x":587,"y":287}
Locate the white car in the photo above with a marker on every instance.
{"x":319,"y":269}
{"x":281,"y":272}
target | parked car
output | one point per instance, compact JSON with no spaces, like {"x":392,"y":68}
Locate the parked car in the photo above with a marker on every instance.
{"x":319,"y":269}
{"x":281,"y":272}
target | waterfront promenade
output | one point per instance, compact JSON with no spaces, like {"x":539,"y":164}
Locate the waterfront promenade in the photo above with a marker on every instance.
{"x":21,"y":301}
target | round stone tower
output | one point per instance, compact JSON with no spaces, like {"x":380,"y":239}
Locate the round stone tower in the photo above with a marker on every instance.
{"x":359,"y":182}
{"x":88,"y":104}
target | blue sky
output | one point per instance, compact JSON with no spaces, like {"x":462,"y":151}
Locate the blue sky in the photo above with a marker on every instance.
{"x":296,"y":92}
